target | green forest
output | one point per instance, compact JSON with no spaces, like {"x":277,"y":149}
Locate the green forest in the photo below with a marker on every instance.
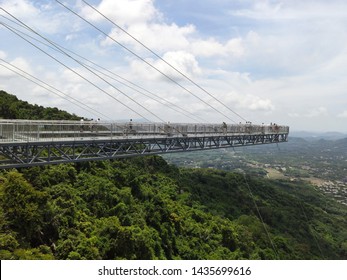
{"x":13,"y":108}
{"x":145,"y":208}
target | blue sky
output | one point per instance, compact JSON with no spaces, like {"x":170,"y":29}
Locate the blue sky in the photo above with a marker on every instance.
{"x":268,"y":60}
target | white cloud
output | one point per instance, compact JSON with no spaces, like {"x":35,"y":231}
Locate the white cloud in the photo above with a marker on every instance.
{"x":292,"y":37}
{"x":18,"y":62}
{"x":181,"y":60}
{"x":124,"y":12}
{"x":261,"y":104}
{"x":343,"y":114}
{"x":255,"y":103}
{"x":260,"y":10}
{"x":20,"y":8}
{"x":207,"y":48}
{"x":3,"y":54}
{"x":5,"y":74}
{"x":294,"y":115}
{"x":317,"y":112}
{"x":269,"y":10}
{"x":158,"y":37}
{"x":279,"y":60}
{"x":147,"y":25}
{"x":235,"y":47}
{"x":42,"y":17}
{"x":143,"y":21}
{"x":23,"y":64}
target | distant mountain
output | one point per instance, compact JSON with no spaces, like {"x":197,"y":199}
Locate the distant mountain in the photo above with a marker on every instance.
{"x":332,"y":135}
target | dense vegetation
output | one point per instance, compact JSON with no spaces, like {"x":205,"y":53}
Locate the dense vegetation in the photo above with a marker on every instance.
{"x":144,"y":208}
{"x":13,"y":108}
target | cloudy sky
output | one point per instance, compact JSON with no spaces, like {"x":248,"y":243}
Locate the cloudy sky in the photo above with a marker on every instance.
{"x":262,"y":60}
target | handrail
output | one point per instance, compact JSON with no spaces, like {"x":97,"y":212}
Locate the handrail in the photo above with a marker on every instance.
{"x":41,"y":130}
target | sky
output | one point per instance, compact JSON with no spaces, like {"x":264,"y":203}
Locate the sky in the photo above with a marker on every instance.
{"x":264,"y":61}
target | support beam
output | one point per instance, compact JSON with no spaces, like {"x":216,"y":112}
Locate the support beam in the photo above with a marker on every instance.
{"x":18,"y":154}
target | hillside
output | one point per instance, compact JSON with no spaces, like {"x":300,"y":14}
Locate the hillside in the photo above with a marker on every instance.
{"x":13,"y":108}
{"x":145,"y":208}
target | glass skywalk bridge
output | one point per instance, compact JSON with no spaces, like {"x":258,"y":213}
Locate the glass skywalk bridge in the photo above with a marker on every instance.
{"x":26,"y":143}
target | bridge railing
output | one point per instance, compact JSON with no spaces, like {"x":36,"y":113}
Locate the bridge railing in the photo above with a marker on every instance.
{"x":37,"y":130}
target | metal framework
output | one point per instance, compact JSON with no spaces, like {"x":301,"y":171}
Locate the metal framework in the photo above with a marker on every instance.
{"x":28,"y":143}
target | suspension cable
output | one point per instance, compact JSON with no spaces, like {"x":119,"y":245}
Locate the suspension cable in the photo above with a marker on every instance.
{"x":155,"y":98}
{"x":65,"y":53}
{"x":163,"y":60}
{"x":260,"y":217}
{"x":142,"y":90}
{"x":146,"y":62}
{"x":51,"y":89}
{"x":75,"y":72}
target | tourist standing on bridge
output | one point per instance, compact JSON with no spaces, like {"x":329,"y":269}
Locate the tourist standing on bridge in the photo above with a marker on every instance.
{"x":131,"y":124}
{"x":224,"y":127}
{"x":91,"y":125}
{"x":97,"y":125}
{"x":82,"y":125}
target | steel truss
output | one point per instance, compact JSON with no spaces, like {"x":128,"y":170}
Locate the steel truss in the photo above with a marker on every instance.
{"x":55,"y":152}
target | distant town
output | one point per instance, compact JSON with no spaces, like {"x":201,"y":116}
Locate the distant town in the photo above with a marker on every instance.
{"x":318,"y":161}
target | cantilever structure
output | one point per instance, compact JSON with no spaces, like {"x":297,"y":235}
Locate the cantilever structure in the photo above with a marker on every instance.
{"x":25,"y":143}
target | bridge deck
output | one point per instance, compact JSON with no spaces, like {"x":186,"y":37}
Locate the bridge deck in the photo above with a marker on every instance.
{"x":27,"y":143}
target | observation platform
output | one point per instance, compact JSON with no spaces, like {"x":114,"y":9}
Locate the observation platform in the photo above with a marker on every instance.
{"x":25,"y":143}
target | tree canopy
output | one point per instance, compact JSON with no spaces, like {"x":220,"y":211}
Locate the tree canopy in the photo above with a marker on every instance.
{"x":13,"y":108}
{"x":144,"y":208}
